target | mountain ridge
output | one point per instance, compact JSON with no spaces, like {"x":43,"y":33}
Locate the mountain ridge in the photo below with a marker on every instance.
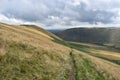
{"x":100,"y":36}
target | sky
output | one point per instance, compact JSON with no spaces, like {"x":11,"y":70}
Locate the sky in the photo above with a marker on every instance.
{"x":59,"y":14}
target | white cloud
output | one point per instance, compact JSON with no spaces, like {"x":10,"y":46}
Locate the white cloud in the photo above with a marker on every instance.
{"x":9,"y":20}
{"x":60,"y":12}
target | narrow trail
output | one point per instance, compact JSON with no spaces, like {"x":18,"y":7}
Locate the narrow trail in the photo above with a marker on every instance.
{"x":72,"y":72}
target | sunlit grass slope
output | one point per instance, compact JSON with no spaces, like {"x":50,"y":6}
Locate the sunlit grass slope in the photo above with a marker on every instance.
{"x":30,"y":54}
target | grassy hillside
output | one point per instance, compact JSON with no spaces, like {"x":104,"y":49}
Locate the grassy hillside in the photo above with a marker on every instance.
{"x":41,"y":30}
{"x":31,"y":53}
{"x":102,"y":36}
{"x":86,"y":70}
{"x":90,"y":57}
{"x":98,"y":51}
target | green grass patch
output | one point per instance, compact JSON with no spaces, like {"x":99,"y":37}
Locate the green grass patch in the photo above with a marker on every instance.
{"x":72,"y":45}
{"x":85,"y":70}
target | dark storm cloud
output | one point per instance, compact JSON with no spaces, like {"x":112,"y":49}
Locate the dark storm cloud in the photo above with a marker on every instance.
{"x":59,"y":12}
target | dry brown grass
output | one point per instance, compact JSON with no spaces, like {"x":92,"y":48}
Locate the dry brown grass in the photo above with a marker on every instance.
{"x":108,"y":54}
{"x":53,"y":57}
{"x":34,"y":38}
{"x":29,"y":36}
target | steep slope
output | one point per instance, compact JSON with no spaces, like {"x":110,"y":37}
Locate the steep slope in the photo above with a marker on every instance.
{"x":29,"y":54}
{"x":41,"y":30}
{"x":102,"y":36}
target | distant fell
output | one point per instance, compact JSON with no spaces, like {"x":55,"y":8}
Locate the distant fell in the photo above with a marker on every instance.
{"x":101,"y":36}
